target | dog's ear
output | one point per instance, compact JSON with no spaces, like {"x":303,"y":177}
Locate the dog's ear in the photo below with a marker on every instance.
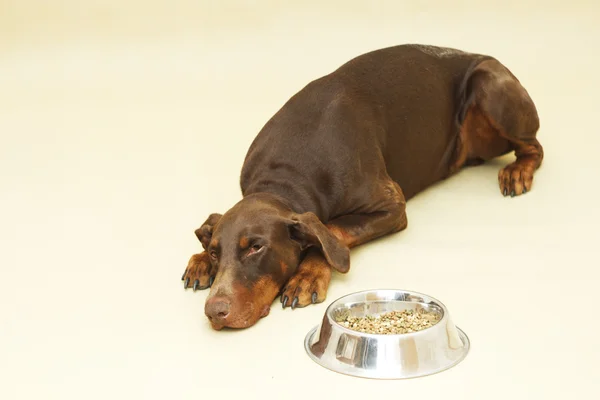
{"x":204,"y":233}
{"x":309,"y":231}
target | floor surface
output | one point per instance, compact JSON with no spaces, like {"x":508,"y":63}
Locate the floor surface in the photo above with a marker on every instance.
{"x":124,"y":124}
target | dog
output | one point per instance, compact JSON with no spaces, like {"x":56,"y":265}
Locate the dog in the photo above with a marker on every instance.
{"x":334,"y":167}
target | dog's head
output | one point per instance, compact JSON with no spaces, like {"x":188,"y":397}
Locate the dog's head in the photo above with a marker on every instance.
{"x":256,"y":247}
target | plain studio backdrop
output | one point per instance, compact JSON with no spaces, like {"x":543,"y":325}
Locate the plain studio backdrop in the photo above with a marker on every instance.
{"x":124,"y":124}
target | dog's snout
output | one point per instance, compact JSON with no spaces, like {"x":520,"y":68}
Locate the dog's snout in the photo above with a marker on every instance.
{"x":217,"y":308}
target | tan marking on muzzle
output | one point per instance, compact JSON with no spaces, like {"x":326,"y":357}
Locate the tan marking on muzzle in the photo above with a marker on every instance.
{"x":265,"y":290}
{"x":223,"y":285}
{"x":249,"y":305}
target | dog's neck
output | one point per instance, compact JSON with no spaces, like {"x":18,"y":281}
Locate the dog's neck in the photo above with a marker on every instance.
{"x":287,"y":195}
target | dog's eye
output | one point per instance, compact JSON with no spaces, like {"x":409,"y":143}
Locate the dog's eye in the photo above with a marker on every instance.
{"x":213,"y":254}
{"x":254,"y":249}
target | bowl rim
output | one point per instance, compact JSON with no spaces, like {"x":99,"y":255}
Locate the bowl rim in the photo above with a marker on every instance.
{"x":329,"y":316}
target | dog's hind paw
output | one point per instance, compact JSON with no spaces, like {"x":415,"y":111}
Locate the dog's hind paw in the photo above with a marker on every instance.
{"x":309,"y":284}
{"x":515,"y":179}
{"x":199,"y":273}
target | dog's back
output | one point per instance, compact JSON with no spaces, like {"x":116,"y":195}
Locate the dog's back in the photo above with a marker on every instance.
{"x":401,"y":102}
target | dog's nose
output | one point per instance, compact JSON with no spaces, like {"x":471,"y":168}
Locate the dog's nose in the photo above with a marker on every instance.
{"x":217,"y":308}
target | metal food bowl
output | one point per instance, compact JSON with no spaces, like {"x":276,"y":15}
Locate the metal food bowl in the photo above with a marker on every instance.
{"x":391,"y":356}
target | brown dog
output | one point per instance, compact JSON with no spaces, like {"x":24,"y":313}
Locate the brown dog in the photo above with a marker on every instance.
{"x":334,"y":167}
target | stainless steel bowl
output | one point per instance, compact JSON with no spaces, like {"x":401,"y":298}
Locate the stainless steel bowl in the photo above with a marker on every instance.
{"x":400,"y":356}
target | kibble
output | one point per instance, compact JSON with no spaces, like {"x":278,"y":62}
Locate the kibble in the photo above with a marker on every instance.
{"x":392,"y":323}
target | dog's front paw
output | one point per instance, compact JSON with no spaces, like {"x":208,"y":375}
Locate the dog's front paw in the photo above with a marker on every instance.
{"x":309,"y":284}
{"x":199,"y":272}
{"x":515,"y":179}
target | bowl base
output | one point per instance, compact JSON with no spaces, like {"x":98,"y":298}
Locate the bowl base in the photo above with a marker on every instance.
{"x":459,"y":355}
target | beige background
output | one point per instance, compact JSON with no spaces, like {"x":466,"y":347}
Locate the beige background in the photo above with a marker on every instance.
{"x":124,"y":124}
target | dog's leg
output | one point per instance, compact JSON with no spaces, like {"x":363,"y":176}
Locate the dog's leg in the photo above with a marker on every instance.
{"x":517,"y":178}
{"x":199,"y":273}
{"x":390,"y":217}
{"x":310,"y":282}
{"x":503,"y":118}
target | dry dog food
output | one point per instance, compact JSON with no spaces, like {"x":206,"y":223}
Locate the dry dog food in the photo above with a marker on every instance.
{"x":392,"y":323}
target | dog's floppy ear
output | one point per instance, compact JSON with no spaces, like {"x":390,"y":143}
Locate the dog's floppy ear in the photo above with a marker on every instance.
{"x":204,"y":233}
{"x":309,"y":231}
